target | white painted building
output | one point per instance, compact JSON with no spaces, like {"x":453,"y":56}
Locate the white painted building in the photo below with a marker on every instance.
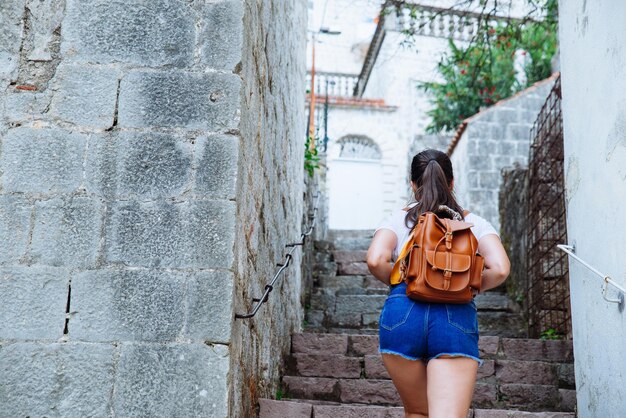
{"x":376,"y":111}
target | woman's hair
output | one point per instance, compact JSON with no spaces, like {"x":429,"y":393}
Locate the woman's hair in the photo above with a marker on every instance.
{"x":431,"y":171}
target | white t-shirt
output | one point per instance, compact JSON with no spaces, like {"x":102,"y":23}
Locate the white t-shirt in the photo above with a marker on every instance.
{"x":395,"y":222}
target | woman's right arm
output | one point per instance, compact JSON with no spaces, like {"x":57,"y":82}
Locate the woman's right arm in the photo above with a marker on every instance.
{"x":380,"y":253}
{"x":497,"y":264}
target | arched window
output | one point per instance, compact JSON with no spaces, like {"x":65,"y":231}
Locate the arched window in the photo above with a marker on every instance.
{"x":358,"y":147}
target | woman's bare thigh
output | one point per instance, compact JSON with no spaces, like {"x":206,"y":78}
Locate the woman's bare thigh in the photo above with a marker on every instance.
{"x":409,"y":377}
{"x":451,"y":383}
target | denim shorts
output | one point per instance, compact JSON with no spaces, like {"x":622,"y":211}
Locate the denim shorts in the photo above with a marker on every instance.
{"x":423,"y":331}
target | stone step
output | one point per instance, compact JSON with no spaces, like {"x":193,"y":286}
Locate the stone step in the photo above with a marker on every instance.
{"x":359,"y":307}
{"x":270,"y":408}
{"x":337,"y":282}
{"x":490,"y":347}
{"x":382,"y":392}
{"x":370,"y":366}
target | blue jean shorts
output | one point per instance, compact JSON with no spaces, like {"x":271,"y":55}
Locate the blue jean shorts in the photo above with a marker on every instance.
{"x":423,"y":331}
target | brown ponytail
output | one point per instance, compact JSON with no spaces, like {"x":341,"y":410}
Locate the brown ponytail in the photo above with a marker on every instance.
{"x":431,"y":171}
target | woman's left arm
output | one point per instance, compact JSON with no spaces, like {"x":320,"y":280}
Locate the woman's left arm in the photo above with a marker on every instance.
{"x":379,"y":254}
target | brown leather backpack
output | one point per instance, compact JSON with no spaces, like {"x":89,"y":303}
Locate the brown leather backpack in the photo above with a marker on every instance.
{"x":440,"y":262}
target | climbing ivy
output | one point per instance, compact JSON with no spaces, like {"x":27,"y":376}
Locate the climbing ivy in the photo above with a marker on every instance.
{"x":311,"y":159}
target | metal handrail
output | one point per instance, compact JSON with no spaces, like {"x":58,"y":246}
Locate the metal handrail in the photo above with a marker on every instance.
{"x":607,"y":280}
{"x":288,"y":257}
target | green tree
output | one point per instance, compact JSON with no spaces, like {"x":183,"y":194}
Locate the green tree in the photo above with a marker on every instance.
{"x":482,"y":72}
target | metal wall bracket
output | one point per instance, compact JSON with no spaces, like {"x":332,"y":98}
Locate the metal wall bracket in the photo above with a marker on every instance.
{"x":608,"y":281}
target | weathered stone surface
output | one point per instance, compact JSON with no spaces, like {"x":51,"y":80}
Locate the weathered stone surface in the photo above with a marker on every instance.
{"x":11,"y":27}
{"x":374,"y":367}
{"x":352,"y":411}
{"x":488,"y":345}
{"x":314,"y":343}
{"x":149,"y":374}
{"x":66,"y":232}
{"x":323,"y":301}
{"x":353,"y":268}
{"x":358,"y":256}
{"x":14,"y":225}
{"x":550,"y":350}
{"x":504,"y":324}
{"x":530,"y":397}
{"x":327,"y":365}
{"x":85,"y":95}
{"x":42,"y":160}
{"x":485,"y":395}
{"x":568,"y":399}
{"x":179,"y":99}
{"x":567,"y":378}
{"x":216,"y":166}
{"x":144,"y":305}
{"x":33,"y":301}
{"x":273,"y":409}
{"x":222,"y":31}
{"x":162,"y":234}
{"x":322,"y":388}
{"x":381,"y":392}
{"x":149,"y":33}
{"x":500,"y":413}
{"x":361,"y":345}
{"x":358,"y":304}
{"x":536,"y":372}
{"x":486,"y":370}
{"x":52,"y":379}
{"x":25,"y":105}
{"x":138,"y":165}
{"x":492,"y":301}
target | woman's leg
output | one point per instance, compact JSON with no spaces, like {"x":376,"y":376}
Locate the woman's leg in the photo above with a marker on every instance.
{"x":409,"y":377}
{"x":450,"y":386}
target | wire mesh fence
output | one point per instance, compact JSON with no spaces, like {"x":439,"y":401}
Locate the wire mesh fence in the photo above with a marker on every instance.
{"x":548,"y":278}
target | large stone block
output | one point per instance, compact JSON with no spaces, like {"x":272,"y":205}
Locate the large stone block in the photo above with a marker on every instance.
{"x":85,"y":95}
{"x":179,"y":99}
{"x":56,"y":379}
{"x":148,"y":305}
{"x":21,"y":106}
{"x":142,"y":32}
{"x":66,"y":232}
{"x":270,"y":408}
{"x":216,"y":166}
{"x":42,"y":160}
{"x":319,"y":343}
{"x":145,"y":165}
{"x":32,"y":303}
{"x":14,"y":225}
{"x":172,"y":380}
{"x":11,"y":29}
{"x":162,"y":234}
{"x":327,"y":365}
{"x":221,"y":34}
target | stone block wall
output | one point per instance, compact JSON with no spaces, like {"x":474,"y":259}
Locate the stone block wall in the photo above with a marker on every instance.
{"x":150,"y":175}
{"x":495,"y":138}
{"x":513,"y":205}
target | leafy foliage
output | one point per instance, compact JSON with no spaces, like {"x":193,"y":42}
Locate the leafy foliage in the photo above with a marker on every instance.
{"x":311,"y":159}
{"x":483,"y":72}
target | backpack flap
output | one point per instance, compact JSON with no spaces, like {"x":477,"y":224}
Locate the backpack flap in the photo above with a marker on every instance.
{"x":448,"y":271}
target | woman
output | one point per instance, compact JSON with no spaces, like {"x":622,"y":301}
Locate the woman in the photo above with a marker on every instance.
{"x":431,"y":349}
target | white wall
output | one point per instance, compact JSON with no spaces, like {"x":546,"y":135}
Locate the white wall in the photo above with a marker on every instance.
{"x":593,"y":63}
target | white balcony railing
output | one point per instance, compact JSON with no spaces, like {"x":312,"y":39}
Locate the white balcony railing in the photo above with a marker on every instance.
{"x":335,"y":84}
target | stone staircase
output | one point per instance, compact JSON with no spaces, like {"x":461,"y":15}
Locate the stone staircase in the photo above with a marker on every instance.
{"x":335,"y":370}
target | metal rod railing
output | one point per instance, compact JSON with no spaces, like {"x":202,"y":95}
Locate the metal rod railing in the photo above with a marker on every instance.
{"x":288,"y":257}
{"x":607,"y":280}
